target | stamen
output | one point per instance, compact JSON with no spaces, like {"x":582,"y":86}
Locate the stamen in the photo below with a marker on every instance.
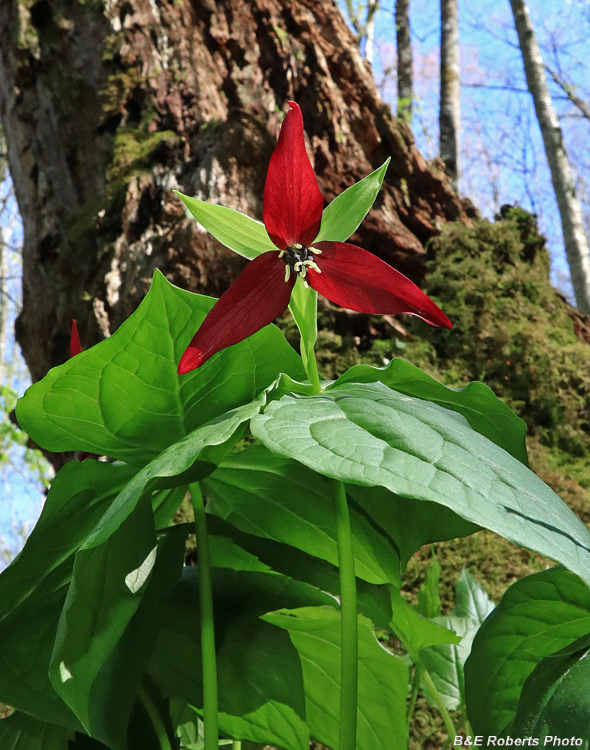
{"x":314,"y":250}
{"x":287,"y":273}
{"x":281,"y":253}
{"x":297,"y":266}
{"x":311,"y":264}
{"x":296,"y":246}
{"x":305,"y":284}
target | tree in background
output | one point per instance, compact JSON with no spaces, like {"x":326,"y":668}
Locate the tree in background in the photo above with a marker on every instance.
{"x":575,"y":240}
{"x":362,"y":18}
{"x":450,"y":89}
{"x":404,"y":60}
{"x":109,"y":107}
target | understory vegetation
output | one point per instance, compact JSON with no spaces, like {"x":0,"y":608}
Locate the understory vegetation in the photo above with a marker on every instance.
{"x":513,"y":331}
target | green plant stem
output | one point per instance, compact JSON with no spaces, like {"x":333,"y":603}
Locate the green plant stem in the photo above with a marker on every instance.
{"x":348,"y":622}
{"x":312,"y":372}
{"x":450,"y":727}
{"x":413,"y":694}
{"x":209,"y":664}
{"x":152,"y":711}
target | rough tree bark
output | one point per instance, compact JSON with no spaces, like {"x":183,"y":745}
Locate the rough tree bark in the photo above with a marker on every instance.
{"x":574,"y":235}
{"x":450,"y":89}
{"x":109,"y":105}
{"x":405,"y":91}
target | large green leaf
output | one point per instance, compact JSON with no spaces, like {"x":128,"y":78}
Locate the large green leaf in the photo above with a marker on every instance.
{"x":277,"y":498}
{"x":343,"y":215}
{"x":383,"y":680}
{"x":22,"y":732}
{"x":408,"y":524}
{"x":476,"y":401}
{"x":188,"y":460}
{"x":369,"y":434}
{"x":555,"y":701}
{"x":373,"y":601}
{"x":34,"y":586}
{"x":259,"y":672}
{"x":445,"y":661}
{"x":537,"y":617}
{"x":110,"y":622}
{"x":123,"y":397}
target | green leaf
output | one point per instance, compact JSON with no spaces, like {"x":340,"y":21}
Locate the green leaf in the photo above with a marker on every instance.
{"x":445,"y":661}
{"x":537,"y":617}
{"x":34,"y":586}
{"x":259,"y":672}
{"x":279,"y":499}
{"x":343,"y":216}
{"x":373,"y":601}
{"x":110,"y":623}
{"x":476,"y":402}
{"x":383,"y":680}
{"x":106,"y":589}
{"x":415,"y":631}
{"x":123,"y":397}
{"x":22,"y":732}
{"x":372,"y":435}
{"x":429,"y":603}
{"x":408,"y":524}
{"x":555,"y":700}
{"x":245,"y":236}
{"x":188,"y":460}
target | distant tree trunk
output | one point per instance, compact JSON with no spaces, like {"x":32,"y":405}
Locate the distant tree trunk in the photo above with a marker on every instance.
{"x":109,"y":106}
{"x":404,"y":60}
{"x":574,"y":235}
{"x":450,"y":89}
{"x":364,"y":27}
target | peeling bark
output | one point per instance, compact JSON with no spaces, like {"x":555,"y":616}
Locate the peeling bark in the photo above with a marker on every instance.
{"x":109,"y":105}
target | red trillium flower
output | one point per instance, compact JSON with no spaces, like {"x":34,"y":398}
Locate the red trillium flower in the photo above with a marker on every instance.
{"x":345,"y":274}
{"x":75,"y":346}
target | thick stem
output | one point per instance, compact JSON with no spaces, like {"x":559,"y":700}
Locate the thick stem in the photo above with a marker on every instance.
{"x":348,"y":622}
{"x":312,"y":372}
{"x":209,"y":664}
{"x":152,"y":711}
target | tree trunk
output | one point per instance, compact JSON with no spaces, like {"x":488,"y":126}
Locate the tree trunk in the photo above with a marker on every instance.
{"x":404,"y":60}
{"x":574,"y":236}
{"x":450,"y":89}
{"x":108,"y":106}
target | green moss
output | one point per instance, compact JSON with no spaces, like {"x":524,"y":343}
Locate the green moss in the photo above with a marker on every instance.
{"x":133,"y":153}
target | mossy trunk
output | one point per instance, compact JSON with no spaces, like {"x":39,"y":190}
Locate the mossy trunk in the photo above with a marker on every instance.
{"x":110,"y":105}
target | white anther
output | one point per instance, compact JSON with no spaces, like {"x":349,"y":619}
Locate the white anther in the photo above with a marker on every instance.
{"x":287,"y":272}
{"x":297,"y":267}
{"x":281,"y":253}
{"x":314,"y":250}
{"x":311,"y":264}
{"x":297,"y":246}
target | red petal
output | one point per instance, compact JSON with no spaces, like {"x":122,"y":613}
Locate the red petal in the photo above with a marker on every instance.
{"x":75,"y":346}
{"x":351,"y":277}
{"x":254,"y":300}
{"x":293,"y":203}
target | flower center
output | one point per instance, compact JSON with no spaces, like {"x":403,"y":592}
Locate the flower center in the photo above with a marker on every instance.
{"x":299,"y":258}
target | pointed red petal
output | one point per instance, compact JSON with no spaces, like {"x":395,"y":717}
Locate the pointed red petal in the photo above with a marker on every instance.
{"x":351,"y":277}
{"x":254,"y":300}
{"x":293,"y":203}
{"x":75,"y":346}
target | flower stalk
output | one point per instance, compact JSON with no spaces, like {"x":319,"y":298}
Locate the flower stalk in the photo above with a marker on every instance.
{"x":348,"y":621}
{"x":209,"y":658}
